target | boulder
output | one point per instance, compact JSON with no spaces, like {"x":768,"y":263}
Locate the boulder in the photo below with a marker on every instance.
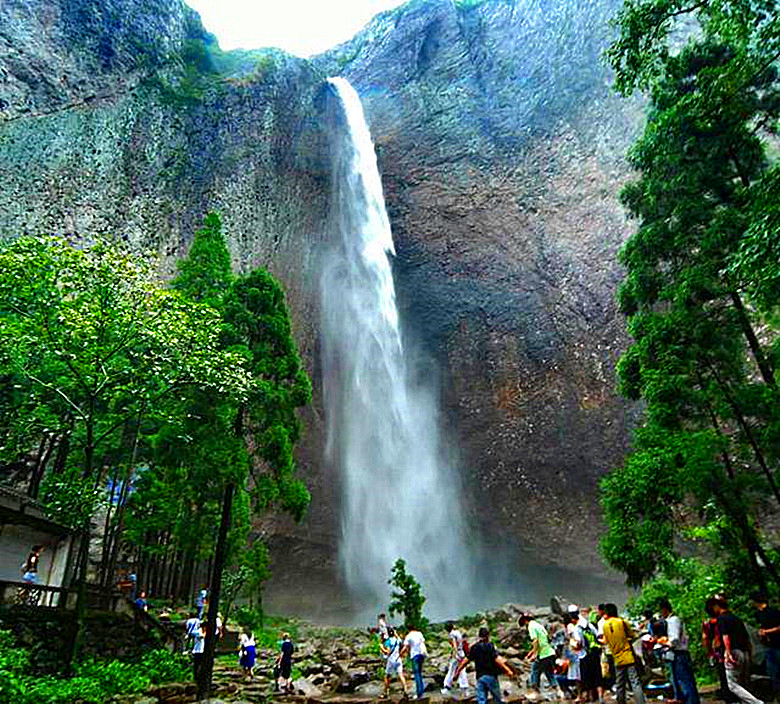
{"x":351,"y":680}
{"x":306,"y":688}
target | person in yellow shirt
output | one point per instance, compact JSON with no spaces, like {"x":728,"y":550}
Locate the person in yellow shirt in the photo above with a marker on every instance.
{"x":618,"y":636}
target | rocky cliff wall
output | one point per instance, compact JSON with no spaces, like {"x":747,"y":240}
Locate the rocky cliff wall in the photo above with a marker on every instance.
{"x":500,"y":148}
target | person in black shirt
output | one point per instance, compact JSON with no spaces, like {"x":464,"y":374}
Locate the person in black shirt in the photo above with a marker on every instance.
{"x":489,"y":664}
{"x":284,"y":661}
{"x":736,"y":652}
{"x":769,"y":620}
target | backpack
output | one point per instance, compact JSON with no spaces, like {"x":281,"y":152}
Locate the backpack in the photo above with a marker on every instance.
{"x":465,"y":646}
{"x":591,"y":639}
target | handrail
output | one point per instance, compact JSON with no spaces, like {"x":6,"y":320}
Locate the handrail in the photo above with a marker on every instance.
{"x":28,"y":594}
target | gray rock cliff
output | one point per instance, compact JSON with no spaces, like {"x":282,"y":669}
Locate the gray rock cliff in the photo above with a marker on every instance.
{"x":501,"y":152}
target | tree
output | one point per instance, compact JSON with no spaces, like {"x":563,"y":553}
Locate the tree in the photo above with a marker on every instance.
{"x":259,"y":433}
{"x":407,"y":597}
{"x":699,"y":292}
{"x":91,"y":337}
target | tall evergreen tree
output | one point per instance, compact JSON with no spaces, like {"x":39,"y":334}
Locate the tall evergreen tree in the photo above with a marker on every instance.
{"x":696,"y":297}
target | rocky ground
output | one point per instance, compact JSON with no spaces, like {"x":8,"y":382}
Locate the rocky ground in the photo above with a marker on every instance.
{"x":343,"y":666}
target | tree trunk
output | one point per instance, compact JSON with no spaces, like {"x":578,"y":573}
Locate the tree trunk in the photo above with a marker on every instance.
{"x":220,"y":555}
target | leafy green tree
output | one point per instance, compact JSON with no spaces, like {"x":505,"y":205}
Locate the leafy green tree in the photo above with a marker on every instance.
{"x":91,"y":334}
{"x":407,"y":597}
{"x":698,"y":291}
{"x":247,"y":446}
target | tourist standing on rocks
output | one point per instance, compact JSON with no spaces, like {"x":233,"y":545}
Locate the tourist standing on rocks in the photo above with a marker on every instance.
{"x":590,"y":658}
{"x":488,"y":664}
{"x":140,"y":603}
{"x":247,"y":649}
{"x":575,"y":647}
{"x":391,"y":649}
{"x":678,"y":654}
{"x":456,"y":656}
{"x":195,"y":631}
{"x":607,"y":661}
{"x":769,"y":620}
{"x":713,"y":647}
{"x":284,"y":662}
{"x":619,"y":636}
{"x":737,"y":651}
{"x":541,"y":655}
{"x":414,"y":647}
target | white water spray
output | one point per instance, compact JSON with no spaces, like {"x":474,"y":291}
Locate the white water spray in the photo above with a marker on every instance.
{"x":399,"y":498}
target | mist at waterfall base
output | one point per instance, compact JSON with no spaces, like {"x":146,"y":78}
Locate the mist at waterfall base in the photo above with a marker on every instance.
{"x":400,"y":498}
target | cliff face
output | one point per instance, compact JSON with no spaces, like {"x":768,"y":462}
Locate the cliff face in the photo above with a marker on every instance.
{"x":500,"y":148}
{"x":501,"y":151}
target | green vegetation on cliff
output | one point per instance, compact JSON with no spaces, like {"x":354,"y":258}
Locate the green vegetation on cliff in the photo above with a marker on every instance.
{"x":700,"y":296}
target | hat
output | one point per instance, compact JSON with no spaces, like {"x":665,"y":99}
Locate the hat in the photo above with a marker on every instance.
{"x":573,"y":609}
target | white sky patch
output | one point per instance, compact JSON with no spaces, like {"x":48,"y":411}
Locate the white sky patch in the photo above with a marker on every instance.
{"x":300,"y":27}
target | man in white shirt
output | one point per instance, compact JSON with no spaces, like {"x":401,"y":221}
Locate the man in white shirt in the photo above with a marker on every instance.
{"x":458,"y":653}
{"x":414,"y":646}
{"x":682,"y":666}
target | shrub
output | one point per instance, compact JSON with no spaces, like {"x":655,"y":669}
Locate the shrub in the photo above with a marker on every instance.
{"x":407,"y":597}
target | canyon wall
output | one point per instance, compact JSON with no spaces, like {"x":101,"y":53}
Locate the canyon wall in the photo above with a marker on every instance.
{"x":500,"y":147}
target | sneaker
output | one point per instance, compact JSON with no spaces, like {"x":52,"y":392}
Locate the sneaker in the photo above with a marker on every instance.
{"x":445,"y":691}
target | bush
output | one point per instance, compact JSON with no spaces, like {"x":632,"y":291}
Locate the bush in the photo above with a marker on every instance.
{"x":94,"y":681}
{"x":407,"y":597}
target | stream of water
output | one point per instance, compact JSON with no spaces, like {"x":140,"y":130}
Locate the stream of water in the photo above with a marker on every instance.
{"x":400,"y":500}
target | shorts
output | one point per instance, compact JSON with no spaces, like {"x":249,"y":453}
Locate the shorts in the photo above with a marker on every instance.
{"x":394,"y":667}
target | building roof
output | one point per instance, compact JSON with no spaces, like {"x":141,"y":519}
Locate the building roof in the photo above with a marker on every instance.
{"x":17,"y":508}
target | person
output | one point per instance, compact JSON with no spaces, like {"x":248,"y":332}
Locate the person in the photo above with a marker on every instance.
{"x":30,"y":565}
{"x":133,"y":579}
{"x":590,"y":658}
{"x":562,"y":678}
{"x":284,"y":661}
{"x":381,"y":628}
{"x":541,"y":654}
{"x":619,"y":636}
{"x":198,"y":635}
{"x":391,"y":649}
{"x":678,"y":655}
{"x":140,"y":603}
{"x":192,"y":623}
{"x":414,"y":647}
{"x":247,"y":650}
{"x":201,"y":601}
{"x":574,"y":646}
{"x":737,"y":651}
{"x":488,"y":664}
{"x":456,"y":655}
{"x":607,"y":661}
{"x":769,"y":633}
{"x":713,"y":647}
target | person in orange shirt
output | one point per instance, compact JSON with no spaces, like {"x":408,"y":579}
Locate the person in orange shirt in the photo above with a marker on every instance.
{"x":619,"y":636}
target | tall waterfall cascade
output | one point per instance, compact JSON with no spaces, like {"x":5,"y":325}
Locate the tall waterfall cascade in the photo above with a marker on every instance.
{"x":399,"y":498}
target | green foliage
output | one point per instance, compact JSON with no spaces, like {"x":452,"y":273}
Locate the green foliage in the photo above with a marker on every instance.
{"x":205,"y":275}
{"x":700,"y":287}
{"x":407,"y":597}
{"x":90,"y":335}
{"x":93,"y":681}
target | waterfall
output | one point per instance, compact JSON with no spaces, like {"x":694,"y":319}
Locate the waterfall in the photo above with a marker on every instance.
{"x":399,"y":499}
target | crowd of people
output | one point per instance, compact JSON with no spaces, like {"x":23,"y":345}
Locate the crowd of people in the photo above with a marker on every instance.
{"x":583,"y":654}
{"x":588,"y":655}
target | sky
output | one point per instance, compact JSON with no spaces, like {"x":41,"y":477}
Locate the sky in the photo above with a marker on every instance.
{"x":300,"y":27}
